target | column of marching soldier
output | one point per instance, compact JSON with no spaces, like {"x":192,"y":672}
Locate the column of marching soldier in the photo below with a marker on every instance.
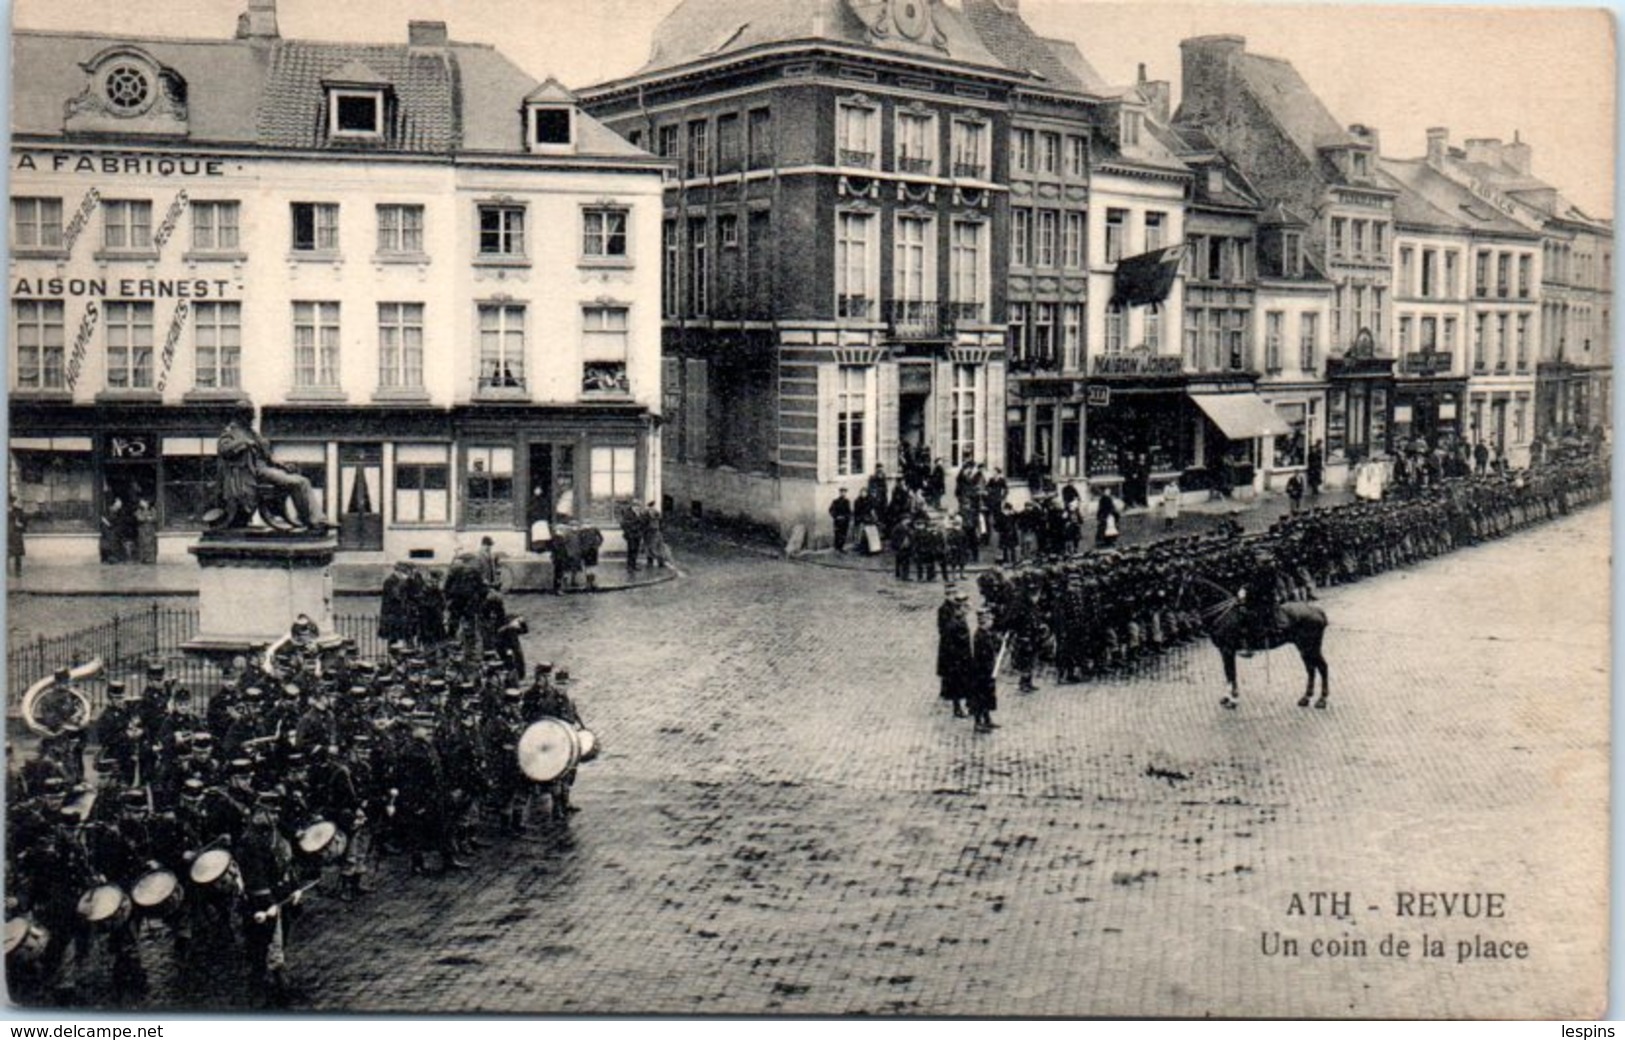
{"x":1091,"y":613}
{"x":217,"y":820}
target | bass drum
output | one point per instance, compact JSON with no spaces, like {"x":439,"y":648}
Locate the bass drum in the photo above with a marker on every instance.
{"x":157,"y":894}
{"x":25,"y":941}
{"x":548,"y":749}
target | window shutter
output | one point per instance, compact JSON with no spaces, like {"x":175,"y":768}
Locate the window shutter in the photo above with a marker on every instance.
{"x":671,"y":406}
{"x":694,"y":412}
{"x":828,"y":390}
{"x":990,"y":408}
{"x":886,"y":418}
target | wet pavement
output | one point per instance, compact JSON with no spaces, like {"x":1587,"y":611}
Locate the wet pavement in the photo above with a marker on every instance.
{"x":785,"y":819}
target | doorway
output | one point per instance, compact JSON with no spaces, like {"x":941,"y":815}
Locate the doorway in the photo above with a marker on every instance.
{"x":361,"y":485}
{"x":552,"y":496}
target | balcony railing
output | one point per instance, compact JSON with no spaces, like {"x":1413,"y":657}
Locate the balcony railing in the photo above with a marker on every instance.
{"x":914,"y":319}
{"x":969,"y":169}
{"x":853,"y":306}
{"x":959,"y":312}
{"x":910,"y":164}
{"x":853,"y":157}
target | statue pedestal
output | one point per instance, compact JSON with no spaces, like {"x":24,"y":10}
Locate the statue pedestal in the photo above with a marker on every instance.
{"x":254,"y":584}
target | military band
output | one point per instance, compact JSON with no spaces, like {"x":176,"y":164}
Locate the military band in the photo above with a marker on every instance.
{"x":218,"y":822}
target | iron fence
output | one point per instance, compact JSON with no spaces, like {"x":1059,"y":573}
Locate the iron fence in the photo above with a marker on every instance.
{"x":127,"y":643}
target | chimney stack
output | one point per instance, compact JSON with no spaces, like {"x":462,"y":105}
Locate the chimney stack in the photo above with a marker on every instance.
{"x":258,"y":22}
{"x":1518,"y":154}
{"x":1438,"y":145}
{"x":1207,"y":71}
{"x":1158,"y":93}
{"x":426,"y":34}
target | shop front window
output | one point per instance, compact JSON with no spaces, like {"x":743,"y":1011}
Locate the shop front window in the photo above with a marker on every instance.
{"x":488,"y":486}
{"x":54,"y":479}
{"x":614,"y":476}
{"x":190,"y":469}
{"x":309,"y":460}
{"x":1290,"y":447}
{"x":422,"y":484}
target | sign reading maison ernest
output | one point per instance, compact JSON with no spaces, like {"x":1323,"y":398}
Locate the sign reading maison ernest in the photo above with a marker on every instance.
{"x":139,"y":165}
{"x":131,"y":288}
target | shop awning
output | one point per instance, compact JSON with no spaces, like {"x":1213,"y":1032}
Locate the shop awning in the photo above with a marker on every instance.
{"x":1242,"y":416}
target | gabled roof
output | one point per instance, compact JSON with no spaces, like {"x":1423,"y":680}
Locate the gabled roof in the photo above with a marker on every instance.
{"x":699,"y":29}
{"x":1021,"y":50}
{"x":1428,"y":199}
{"x":1067,"y":53}
{"x":272,"y":93}
{"x":552,"y":91}
{"x":1276,"y":85}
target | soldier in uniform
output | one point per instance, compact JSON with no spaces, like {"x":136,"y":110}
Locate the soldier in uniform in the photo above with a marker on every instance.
{"x":271,"y":898}
{"x":985,"y":647}
{"x":555,"y":703}
{"x":953,"y":649}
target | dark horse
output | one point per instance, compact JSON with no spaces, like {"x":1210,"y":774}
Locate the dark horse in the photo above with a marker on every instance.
{"x":1301,"y":624}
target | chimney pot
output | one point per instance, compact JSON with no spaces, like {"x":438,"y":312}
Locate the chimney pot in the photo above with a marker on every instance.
{"x":259,"y":21}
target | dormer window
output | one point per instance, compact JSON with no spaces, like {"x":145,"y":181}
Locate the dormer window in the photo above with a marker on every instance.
{"x":1131,"y":128}
{"x":1360,"y":164}
{"x":550,"y":118}
{"x":550,"y":126}
{"x":357,"y":113}
{"x":357,"y":103}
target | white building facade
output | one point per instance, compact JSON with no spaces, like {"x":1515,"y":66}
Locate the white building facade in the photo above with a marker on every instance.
{"x":430,"y":282}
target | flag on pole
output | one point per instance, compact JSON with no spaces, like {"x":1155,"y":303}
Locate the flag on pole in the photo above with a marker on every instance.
{"x":1148,"y":277}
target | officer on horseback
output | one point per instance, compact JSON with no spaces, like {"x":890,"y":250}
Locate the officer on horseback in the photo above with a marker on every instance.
{"x":1260,"y":598}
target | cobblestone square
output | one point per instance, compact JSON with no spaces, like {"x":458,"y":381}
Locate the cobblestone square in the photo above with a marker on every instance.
{"x":785,"y":819}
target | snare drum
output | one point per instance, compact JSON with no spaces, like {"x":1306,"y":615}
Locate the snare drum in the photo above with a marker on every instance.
{"x":322,"y":840}
{"x":589,"y":744}
{"x":217,"y":871}
{"x":157,"y":894}
{"x":105,"y":906}
{"x":547,"y":750}
{"x":25,"y":941}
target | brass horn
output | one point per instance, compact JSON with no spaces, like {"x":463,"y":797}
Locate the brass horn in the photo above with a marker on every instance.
{"x":63,"y":705}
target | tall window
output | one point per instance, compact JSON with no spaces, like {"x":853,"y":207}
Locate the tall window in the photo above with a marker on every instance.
{"x":400,"y":229}
{"x":614,"y":473}
{"x":666,"y":141}
{"x":604,"y":332}
{"x":502,"y":346}
{"x":502,"y":231}
{"x":1449,"y":335}
{"x":1339,"y":236}
{"x":909,"y":277}
{"x":217,"y":336}
{"x":1071,"y":336}
{"x":1503,"y":275}
{"x":699,"y":148}
{"x":422,"y":484}
{"x":37,"y":331}
{"x":1357,"y":238}
{"x":1274,"y":325}
{"x":1525,"y":271}
{"x":1077,"y":156}
{"x":1115,"y":321}
{"x":1502,"y":342}
{"x":603,"y":232}
{"x":963,"y":434}
{"x":1153,"y":327}
{"x":36,"y":223}
{"x":1523,"y":342}
{"x":1044,"y":334}
{"x":1235,"y":339}
{"x":215,"y":225}
{"x":488,"y":486}
{"x":1049,"y":153}
{"x":1072,"y":240}
{"x":1116,"y":222}
{"x":400,"y":346}
{"x":854,"y":264}
{"x":1404,"y":334}
{"x":315,"y":344}
{"x":851,"y":408}
{"x":1428,"y":335}
{"x":671,"y":268}
{"x":699,"y":274}
{"x":1308,"y":334}
{"x":1131,"y":123}
{"x":857,"y":139}
{"x":1021,"y":237}
{"x":1047,"y":235}
{"x":1021,"y":150}
{"x":129,"y":345}
{"x":730,"y":152}
{"x":1407,"y":270}
{"x":1481,"y":274}
{"x":970,"y":149}
{"x":916,"y":142}
{"x":1481,"y":348}
{"x":315,"y":227}
{"x":1452,"y":287}
{"x":966,"y":278}
{"x":127,"y":224}
{"x":760,"y":132}
{"x":1155,"y":230}
{"x":1430,"y":273}
{"x":1018,"y":341}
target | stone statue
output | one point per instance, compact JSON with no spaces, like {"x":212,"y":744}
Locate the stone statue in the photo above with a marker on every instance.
{"x":251,"y":483}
